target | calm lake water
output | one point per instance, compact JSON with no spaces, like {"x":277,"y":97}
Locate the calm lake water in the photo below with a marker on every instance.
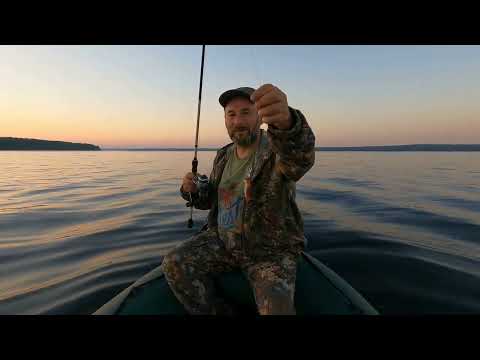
{"x":76,"y":228}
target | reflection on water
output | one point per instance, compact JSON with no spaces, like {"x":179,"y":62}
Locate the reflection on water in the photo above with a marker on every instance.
{"x":78,"y":227}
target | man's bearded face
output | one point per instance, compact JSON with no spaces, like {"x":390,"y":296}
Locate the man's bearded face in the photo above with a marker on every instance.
{"x":241,"y":120}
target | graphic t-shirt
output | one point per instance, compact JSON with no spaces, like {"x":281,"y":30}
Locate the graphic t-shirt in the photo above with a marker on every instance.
{"x":231,"y":199}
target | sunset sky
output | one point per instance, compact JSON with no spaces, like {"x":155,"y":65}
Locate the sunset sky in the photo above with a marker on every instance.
{"x":146,"y":96}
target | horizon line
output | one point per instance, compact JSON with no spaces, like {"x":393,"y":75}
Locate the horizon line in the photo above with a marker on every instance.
{"x":316,"y":147}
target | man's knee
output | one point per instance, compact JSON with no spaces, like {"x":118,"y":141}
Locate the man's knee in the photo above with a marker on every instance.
{"x":171,"y":264}
{"x":185,"y":259}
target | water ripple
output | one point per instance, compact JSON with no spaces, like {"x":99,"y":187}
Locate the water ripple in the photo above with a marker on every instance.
{"x":77,"y":228}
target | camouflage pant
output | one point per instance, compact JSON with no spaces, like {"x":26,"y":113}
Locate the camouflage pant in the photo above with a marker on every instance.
{"x":189,"y":269}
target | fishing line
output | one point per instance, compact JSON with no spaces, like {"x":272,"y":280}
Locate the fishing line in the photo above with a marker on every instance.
{"x":257,"y":75}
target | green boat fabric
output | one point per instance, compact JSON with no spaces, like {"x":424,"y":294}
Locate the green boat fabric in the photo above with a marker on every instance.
{"x":319,"y":291}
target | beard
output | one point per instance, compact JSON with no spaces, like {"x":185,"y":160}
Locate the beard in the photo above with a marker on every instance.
{"x":244,"y":136}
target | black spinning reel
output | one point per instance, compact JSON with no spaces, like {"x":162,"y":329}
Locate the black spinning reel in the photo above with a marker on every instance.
{"x":201,"y":181}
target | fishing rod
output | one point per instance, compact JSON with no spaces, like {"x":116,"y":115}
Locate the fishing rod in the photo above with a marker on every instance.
{"x":202,"y":180}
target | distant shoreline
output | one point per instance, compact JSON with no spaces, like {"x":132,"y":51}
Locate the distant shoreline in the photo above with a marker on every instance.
{"x":385,"y":148}
{"x":22,"y":144}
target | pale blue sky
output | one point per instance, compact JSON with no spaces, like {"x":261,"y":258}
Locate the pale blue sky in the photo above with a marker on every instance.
{"x":147,"y":95}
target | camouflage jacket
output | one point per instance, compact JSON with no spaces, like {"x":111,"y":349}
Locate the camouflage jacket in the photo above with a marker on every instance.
{"x":282,"y":158}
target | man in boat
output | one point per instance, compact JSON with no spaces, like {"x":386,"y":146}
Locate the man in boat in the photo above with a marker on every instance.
{"x":254,"y":223}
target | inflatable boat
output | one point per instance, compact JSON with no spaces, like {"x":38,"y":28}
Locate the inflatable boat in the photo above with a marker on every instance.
{"x":319,"y":291}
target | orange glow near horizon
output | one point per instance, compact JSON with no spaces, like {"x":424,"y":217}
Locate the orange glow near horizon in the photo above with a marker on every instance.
{"x":330,"y":129}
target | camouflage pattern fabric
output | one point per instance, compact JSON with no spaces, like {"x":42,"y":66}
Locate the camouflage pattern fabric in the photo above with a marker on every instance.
{"x":282,"y":159}
{"x":190,"y":268}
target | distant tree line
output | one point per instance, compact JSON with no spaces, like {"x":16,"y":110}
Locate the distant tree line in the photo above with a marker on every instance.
{"x":10,"y":143}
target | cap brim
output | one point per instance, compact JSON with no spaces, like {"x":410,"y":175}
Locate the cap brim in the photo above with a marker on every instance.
{"x":230,"y":94}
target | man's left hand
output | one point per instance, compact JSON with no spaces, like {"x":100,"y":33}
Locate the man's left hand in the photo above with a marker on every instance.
{"x":272,"y":106}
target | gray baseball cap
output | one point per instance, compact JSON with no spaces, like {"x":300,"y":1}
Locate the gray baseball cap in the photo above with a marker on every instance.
{"x":228,"y":95}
